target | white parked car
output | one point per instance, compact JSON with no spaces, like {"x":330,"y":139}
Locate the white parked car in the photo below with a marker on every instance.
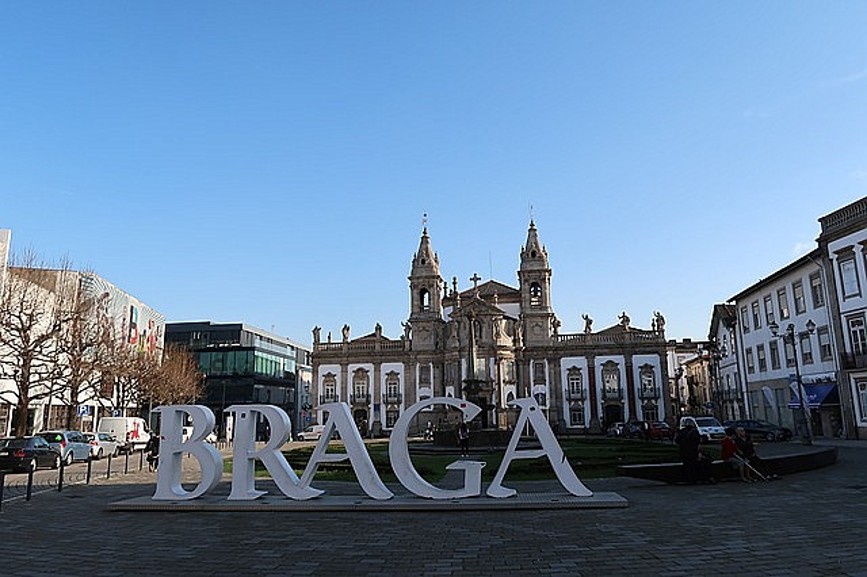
{"x":102,"y":445}
{"x":311,"y":433}
{"x":708,"y":427}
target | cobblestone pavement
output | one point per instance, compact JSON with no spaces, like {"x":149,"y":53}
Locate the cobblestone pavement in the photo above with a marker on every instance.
{"x":812,"y":523}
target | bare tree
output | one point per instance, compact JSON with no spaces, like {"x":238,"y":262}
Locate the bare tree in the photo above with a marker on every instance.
{"x":33,"y":310}
{"x":83,"y":342}
{"x":178,"y":379}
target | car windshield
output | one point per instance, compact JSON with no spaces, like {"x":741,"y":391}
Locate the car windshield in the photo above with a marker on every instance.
{"x":707,"y":422}
{"x":14,"y":443}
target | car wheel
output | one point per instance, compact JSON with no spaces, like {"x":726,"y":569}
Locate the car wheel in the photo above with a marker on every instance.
{"x":68,"y":460}
{"x":56,"y":464}
{"x":33,"y":465}
{"x":99,"y":454}
{"x":771,"y":436}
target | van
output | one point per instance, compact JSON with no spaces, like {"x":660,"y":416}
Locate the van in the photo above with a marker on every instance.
{"x":311,"y":433}
{"x":132,"y":433}
{"x":708,"y":427}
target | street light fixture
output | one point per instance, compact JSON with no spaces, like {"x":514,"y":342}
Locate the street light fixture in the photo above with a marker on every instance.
{"x":789,"y":337}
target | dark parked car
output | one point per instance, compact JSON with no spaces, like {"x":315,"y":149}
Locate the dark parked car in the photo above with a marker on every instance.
{"x":660,"y":431}
{"x":27,"y":454}
{"x":762,"y":429}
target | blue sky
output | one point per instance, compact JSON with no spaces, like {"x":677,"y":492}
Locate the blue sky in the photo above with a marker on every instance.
{"x":270,"y":162}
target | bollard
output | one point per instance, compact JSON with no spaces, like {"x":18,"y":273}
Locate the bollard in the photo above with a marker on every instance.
{"x":2,"y":486}
{"x":126,"y":463}
{"x":140,"y":459}
{"x":89,"y":469}
{"x":60,"y":475}
{"x":108,"y":467}
{"x":29,"y":483}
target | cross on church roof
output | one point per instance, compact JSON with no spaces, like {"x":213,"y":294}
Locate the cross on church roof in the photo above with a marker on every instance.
{"x":475,"y":278}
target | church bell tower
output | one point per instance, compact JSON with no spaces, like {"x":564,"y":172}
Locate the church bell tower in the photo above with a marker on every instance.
{"x":426,"y":292}
{"x":534,"y":277}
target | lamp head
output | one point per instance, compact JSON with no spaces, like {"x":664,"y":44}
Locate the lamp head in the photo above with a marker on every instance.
{"x":775,"y":328}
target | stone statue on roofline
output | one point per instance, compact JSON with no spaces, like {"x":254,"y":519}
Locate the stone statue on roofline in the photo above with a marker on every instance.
{"x":588,"y":324}
{"x":624,"y":320}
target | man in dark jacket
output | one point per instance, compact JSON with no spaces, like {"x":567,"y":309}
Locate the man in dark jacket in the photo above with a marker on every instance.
{"x":689,"y":441}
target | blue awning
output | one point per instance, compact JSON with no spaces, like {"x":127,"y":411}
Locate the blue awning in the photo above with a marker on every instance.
{"x":817,"y":396}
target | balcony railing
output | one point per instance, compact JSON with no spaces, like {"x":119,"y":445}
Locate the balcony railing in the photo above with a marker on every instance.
{"x":612,"y":394}
{"x":648,"y":394}
{"x":576,"y":395}
{"x":394,"y":398}
{"x":359,"y":399}
{"x":328,"y":399}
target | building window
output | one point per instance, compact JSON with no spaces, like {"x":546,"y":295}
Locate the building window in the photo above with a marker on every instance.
{"x":535,"y":295}
{"x":329,"y":388}
{"x":751,"y":363}
{"x":648,"y":382}
{"x":806,"y":349}
{"x":576,"y":386}
{"x":775,"y":355}
{"x":849,"y":277}
{"x":538,"y":373}
{"x":745,"y":319}
{"x":858,"y":334}
{"x":757,"y":319}
{"x":650,"y":412}
{"x":769,"y":309}
{"x":862,"y":399}
{"x":824,"y":343}
{"x":763,"y":361}
{"x":800,"y":301}
{"x":424,"y":299}
{"x":360,"y":380}
{"x":424,"y":376}
{"x":392,"y":388}
{"x":391,"y":418}
{"x":790,"y":353}
{"x":817,"y":291}
{"x":611,"y":380}
{"x":783,"y":303}
{"x":576,"y":414}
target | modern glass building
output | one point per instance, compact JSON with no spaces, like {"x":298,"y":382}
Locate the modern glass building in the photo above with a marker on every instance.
{"x":243,"y":365}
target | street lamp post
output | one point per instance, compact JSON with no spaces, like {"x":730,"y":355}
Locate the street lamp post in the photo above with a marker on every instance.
{"x":789,"y":336}
{"x":678,"y":373}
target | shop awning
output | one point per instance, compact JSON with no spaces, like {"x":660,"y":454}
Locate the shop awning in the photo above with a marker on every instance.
{"x":817,"y":396}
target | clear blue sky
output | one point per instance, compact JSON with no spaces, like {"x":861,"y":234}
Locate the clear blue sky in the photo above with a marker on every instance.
{"x":270,"y":162}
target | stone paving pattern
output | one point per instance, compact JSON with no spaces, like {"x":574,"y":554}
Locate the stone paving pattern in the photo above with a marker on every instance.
{"x":811,"y":523}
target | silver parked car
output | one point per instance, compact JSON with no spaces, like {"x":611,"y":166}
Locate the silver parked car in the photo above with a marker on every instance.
{"x":102,"y":445}
{"x":70,"y":444}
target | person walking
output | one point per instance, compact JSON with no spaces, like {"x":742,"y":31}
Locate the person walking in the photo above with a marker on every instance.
{"x":463,"y":433}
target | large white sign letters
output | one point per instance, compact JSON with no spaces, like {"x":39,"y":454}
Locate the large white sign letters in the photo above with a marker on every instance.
{"x":245,"y":453}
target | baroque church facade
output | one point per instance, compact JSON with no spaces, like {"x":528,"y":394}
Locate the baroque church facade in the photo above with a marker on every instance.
{"x":490,"y":344}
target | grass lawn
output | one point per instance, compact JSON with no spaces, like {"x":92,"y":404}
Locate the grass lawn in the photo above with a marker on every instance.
{"x":590,"y":458}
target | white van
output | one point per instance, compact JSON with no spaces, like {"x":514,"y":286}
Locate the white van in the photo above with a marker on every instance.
{"x":311,"y":433}
{"x":132,"y":433}
{"x":708,"y":427}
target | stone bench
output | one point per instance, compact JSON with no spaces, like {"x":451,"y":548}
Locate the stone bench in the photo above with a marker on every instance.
{"x":805,"y":459}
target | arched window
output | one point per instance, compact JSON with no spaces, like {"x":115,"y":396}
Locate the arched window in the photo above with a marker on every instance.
{"x":360,"y":380}
{"x":424,"y":299}
{"x":329,"y":388}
